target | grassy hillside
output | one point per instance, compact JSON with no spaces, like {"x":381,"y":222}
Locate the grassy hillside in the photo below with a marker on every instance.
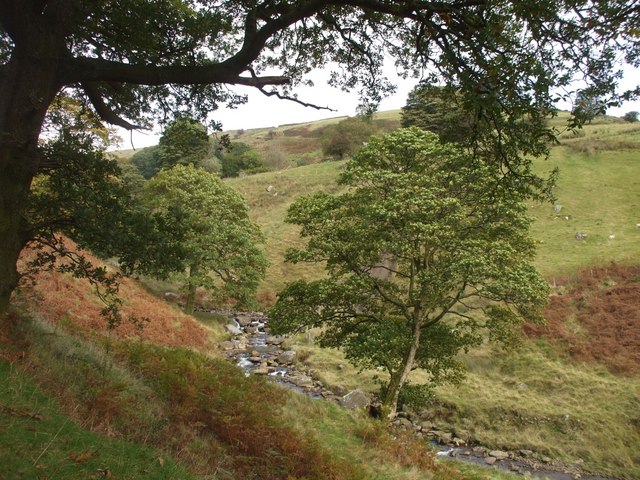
{"x":300,"y":144}
{"x":80,"y":401}
{"x":543,"y":396}
{"x":597,"y":190}
{"x":269,"y":208}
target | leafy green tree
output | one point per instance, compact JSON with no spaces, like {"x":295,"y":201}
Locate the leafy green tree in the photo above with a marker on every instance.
{"x":148,"y":161}
{"x":84,"y":196}
{"x":132,"y":178}
{"x":237,"y":158}
{"x":210,"y":222}
{"x":425,"y":254}
{"x":588,"y":105}
{"x":185,"y":141}
{"x":130,"y":63}
{"x":346,"y":137}
{"x":631,"y":116}
{"x":431,"y":107}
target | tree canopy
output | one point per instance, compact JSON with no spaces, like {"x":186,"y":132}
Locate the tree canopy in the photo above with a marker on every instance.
{"x":185,"y":141}
{"x":424,"y":237}
{"x":85,"y":196}
{"x":432,"y":108}
{"x":218,"y":243}
{"x":346,"y":137}
{"x":238,"y":157}
{"x":133,"y":61}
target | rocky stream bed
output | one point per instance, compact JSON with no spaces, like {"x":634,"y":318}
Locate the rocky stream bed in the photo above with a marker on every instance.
{"x":256,"y":352}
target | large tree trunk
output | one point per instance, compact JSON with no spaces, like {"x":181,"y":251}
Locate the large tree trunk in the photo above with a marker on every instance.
{"x":28,"y":85}
{"x":14,"y":188}
{"x":399,"y":378}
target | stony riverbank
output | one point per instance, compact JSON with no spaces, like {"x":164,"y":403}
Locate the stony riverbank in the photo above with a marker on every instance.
{"x":253,"y":349}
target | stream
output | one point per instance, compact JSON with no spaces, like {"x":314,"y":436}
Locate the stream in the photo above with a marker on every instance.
{"x":257,"y":352}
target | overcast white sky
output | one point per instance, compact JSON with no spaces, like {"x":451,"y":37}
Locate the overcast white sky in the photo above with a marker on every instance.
{"x":261,"y":111}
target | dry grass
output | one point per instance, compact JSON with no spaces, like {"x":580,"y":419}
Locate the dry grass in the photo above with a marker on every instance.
{"x":596,"y":318}
{"x":71,"y":302}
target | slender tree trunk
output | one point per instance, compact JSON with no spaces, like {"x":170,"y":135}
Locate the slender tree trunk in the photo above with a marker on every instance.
{"x":399,"y":378}
{"x":191,"y":290}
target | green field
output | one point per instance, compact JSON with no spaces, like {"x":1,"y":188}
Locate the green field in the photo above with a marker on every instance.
{"x":598,"y":189}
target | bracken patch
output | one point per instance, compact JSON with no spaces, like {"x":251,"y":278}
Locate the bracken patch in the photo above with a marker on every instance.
{"x":62,"y":299}
{"x":603,"y":304}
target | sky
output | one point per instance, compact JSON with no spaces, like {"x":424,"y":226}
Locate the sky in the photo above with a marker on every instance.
{"x":262,"y":112}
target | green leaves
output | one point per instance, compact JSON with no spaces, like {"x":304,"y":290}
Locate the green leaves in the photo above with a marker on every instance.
{"x":185,"y":141}
{"x":239,"y":157}
{"x":209,"y":220}
{"x":439,"y":111}
{"x":425,"y":235}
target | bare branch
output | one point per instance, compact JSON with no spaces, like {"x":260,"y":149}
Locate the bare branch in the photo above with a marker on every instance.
{"x":103,"y":110}
{"x":293,"y":99}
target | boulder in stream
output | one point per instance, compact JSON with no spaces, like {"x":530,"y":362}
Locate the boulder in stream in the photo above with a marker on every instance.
{"x":287,"y":357}
{"x":243,"y":320}
{"x":274,"y":340}
{"x":499,"y":454}
{"x":233,"y":329}
{"x":227,"y":345}
{"x":303,"y":381}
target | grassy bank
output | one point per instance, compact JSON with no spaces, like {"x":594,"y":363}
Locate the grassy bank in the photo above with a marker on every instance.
{"x":535,"y":398}
{"x":37,"y":440}
{"x":81,"y":403}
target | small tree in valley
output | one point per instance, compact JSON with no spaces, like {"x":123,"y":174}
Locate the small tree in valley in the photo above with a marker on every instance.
{"x":424,"y":238}
{"x":185,"y":141}
{"x":346,"y":137}
{"x":438,"y":110}
{"x":237,"y":158}
{"x":209,"y":220}
{"x":147,"y":160}
{"x":587,"y":106}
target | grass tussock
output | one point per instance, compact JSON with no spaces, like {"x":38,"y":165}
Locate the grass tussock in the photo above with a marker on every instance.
{"x":403,"y":448}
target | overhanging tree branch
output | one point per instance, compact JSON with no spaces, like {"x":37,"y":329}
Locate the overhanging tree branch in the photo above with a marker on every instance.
{"x":293,"y":99}
{"x":95,"y":69}
{"x":103,"y":111}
